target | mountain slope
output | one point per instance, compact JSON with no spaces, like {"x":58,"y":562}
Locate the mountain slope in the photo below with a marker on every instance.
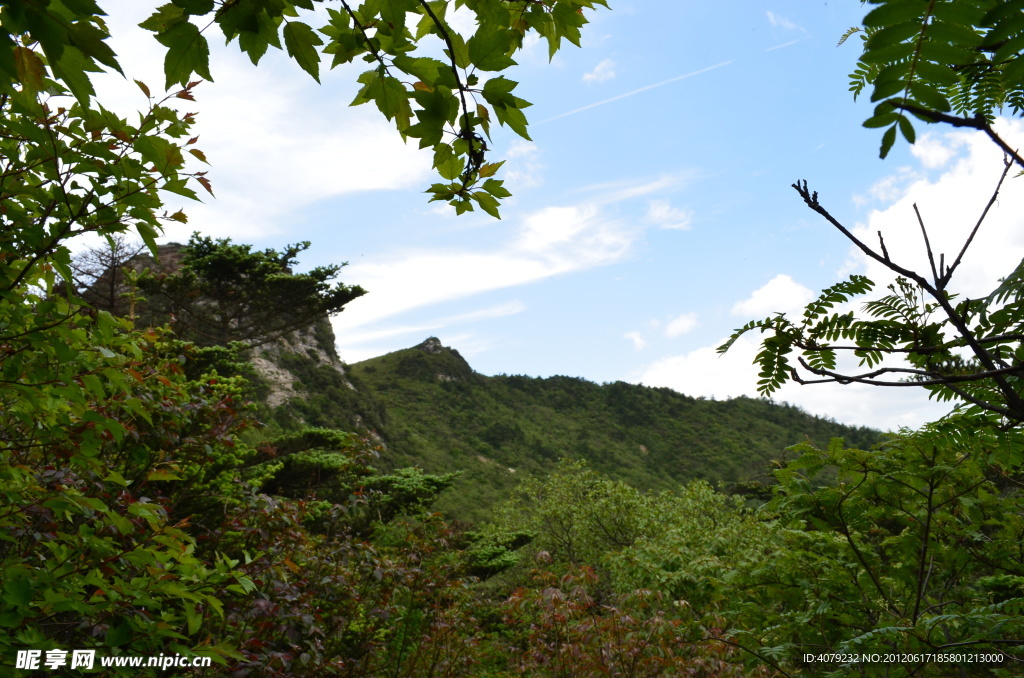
{"x":442,"y":416}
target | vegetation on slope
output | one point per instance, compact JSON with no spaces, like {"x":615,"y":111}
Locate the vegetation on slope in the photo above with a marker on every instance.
{"x":444,"y":417}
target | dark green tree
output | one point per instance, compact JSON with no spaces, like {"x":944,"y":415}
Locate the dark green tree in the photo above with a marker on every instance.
{"x":223,"y":292}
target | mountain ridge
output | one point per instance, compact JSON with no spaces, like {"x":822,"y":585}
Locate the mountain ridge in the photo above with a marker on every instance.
{"x":443,"y":416}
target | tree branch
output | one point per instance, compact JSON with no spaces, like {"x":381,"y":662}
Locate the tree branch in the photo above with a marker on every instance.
{"x":941,"y":283}
{"x":977,"y":122}
{"x":1014,"y":401}
{"x":928,"y":247}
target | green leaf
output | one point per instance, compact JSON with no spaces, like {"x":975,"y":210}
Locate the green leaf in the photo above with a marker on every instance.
{"x":195,"y":7}
{"x":163,"y":18}
{"x":929,"y":96}
{"x":447,"y":163}
{"x":489,"y":50}
{"x":906,"y":128}
{"x":19,"y":591}
{"x":487,"y":202}
{"x":881,"y":120}
{"x":301,"y":43}
{"x":890,"y":13}
{"x":888,"y":139}
{"x":893,"y":35}
{"x":389,"y":94}
{"x":187,"y":53}
{"x":72,"y":69}
{"x":161,"y":474}
{"x":120,"y":634}
{"x":884,"y":90}
{"x":496,"y":188}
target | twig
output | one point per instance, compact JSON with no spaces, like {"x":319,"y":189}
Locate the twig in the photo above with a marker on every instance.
{"x":940,"y":284}
{"x":928,"y":246}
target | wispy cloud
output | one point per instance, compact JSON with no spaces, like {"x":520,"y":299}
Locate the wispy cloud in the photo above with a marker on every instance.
{"x":552,"y":241}
{"x":664,"y":215}
{"x":523,"y":168}
{"x":498,"y":311}
{"x":637,"y":339}
{"x":779,"y":21}
{"x":785,"y":44}
{"x":637,"y":91}
{"x":680,"y":325}
{"x":603,"y":72}
{"x":549,"y":242}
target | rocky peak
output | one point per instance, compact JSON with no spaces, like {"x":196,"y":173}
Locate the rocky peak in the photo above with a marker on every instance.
{"x":432,"y":346}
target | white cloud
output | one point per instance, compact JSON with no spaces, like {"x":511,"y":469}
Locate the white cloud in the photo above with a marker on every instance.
{"x":568,"y":238}
{"x":935,"y":150}
{"x":950,"y":206}
{"x":779,"y":21}
{"x":523,"y":168}
{"x":681,"y":325}
{"x":617,"y":191}
{"x":662,"y":213}
{"x":637,"y":339}
{"x":781,"y":294}
{"x":603,"y":72}
{"x":893,"y":187}
{"x":276,"y":140}
{"x":520,"y":148}
{"x":548,"y":242}
{"x":499,"y":311}
{"x":703,"y":372}
{"x":788,"y":43}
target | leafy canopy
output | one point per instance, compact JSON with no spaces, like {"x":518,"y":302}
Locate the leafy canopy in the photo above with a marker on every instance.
{"x":925,"y":58}
{"x":436,"y":86}
{"x":223,"y":292}
{"x":937,"y":60}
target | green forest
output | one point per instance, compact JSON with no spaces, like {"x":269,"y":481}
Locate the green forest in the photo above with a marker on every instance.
{"x":187,"y":469}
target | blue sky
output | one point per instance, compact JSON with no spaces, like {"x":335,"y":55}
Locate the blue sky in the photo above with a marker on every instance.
{"x":652,"y":213}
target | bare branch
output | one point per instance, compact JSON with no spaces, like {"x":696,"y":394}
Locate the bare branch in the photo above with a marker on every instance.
{"x":811,"y":198}
{"x":1013,"y":399}
{"x":935,"y":378}
{"x":927,"y":245}
{"x":941,"y":284}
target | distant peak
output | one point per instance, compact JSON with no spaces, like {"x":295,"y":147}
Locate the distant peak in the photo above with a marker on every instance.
{"x":432,"y":346}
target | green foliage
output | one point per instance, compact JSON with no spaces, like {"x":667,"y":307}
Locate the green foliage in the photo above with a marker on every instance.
{"x":408,"y":491}
{"x":222,"y":293}
{"x":684,"y":544}
{"x":932,"y":58}
{"x":333,"y":603}
{"x":569,"y":629}
{"x":443,"y":417}
{"x":967,"y":350}
{"x":73,"y":170}
{"x":440,"y":103}
{"x":577,"y":516}
{"x":100,"y":436}
{"x":913,"y":550}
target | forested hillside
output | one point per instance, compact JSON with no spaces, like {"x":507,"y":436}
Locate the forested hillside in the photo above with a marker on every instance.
{"x":443,"y":417}
{"x":189,"y":475}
